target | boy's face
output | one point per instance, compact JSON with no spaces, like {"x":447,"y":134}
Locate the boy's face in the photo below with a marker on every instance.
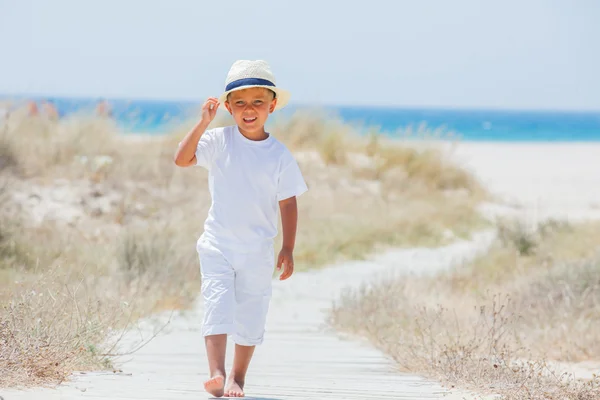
{"x":251,"y":107}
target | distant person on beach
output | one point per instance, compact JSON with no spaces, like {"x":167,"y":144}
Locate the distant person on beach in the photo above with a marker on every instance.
{"x":50,"y":110}
{"x":103,"y":109}
{"x":251,"y":176}
{"x":32,"y":109}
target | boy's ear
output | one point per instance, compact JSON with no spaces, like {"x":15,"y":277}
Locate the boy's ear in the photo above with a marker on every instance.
{"x":228,"y":107}
{"x":273,"y":105}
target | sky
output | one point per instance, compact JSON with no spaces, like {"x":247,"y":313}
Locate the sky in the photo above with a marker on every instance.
{"x":510,"y":54}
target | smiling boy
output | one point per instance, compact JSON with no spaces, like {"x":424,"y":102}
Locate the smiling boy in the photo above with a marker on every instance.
{"x":251,"y":176}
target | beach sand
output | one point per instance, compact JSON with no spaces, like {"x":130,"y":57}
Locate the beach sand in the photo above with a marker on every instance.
{"x":541,"y":180}
{"x":301,"y":358}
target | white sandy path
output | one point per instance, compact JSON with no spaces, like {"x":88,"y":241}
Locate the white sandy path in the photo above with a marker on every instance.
{"x":302,"y":360}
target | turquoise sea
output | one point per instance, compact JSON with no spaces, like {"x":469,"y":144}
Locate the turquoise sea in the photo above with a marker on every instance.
{"x":156,"y":117}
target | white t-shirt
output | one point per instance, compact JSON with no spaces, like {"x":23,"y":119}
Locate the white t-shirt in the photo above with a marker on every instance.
{"x":246,"y":180}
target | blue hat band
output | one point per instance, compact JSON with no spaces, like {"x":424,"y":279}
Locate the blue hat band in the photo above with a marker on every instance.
{"x":248,"y":82}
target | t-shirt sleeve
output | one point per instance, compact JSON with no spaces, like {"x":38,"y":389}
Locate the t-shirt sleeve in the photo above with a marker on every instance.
{"x":208,"y":146}
{"x":291,"y":182}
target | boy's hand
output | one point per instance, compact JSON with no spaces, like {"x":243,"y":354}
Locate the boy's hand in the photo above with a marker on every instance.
{"x":209,"y":109}
{"x":287,"y":260}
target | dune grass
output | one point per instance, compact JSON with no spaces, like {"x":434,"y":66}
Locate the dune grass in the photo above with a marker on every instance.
{"x":500,"y":324}
{"x":98,"y":229}
{"x":365,"y":193}
{"x":62,"y":294}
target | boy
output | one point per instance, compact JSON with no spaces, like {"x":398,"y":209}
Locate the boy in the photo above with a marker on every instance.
{"x":251,"y":174}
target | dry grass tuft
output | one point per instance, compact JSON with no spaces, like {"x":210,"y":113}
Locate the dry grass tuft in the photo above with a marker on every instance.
{"x":52,"y":326}
{"x":339,"y":144}
{"x":8,"y":159}
{"x":499,"y":324}
{"x":429,"y":166}
{"x":39,"y":144}
{"x":63,"y":302}
{"x":14,"y":251}
{"x":52,"y":318}
{"x":158,"y":264}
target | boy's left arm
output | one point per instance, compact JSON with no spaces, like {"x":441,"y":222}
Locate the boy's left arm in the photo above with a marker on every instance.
{"x":289,"y":223}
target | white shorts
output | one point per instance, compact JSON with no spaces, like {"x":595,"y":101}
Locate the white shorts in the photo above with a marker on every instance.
{"x":236,"y":288}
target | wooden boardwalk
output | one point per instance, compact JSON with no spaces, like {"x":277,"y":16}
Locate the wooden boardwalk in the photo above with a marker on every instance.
{"x":300,"y":359}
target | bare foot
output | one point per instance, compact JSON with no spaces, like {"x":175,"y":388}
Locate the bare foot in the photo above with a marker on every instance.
{"x":215,"y":385}
{"x":234,"y":388}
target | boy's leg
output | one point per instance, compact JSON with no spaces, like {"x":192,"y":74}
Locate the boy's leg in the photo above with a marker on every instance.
{"x":253,"y":289}
{"x":237,"y":377}
{"x":216,"y":346}
{"x":218,"y":291}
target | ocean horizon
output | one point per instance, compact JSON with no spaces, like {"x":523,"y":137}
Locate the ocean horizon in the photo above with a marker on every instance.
{"x":156,"y":117}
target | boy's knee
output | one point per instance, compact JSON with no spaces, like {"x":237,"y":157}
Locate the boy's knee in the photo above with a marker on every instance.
{"x":242,"y":341}
{"x":209,"y":329}
{"x":250,"y":320}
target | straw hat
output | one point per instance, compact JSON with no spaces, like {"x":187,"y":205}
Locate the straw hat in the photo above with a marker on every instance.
{"x":245,"y":74}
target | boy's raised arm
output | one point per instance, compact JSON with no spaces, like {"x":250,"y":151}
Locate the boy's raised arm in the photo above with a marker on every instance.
{"x":185,"y":155}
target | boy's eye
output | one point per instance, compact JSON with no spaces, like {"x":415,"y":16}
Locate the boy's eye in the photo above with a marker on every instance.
{"x":257,"y":101}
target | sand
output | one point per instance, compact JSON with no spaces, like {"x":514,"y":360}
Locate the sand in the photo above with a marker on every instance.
{"x":543,"y":180}
{"x":303,"y":359}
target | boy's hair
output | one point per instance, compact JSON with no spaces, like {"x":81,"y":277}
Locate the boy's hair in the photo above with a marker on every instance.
{"x":272,"y":92}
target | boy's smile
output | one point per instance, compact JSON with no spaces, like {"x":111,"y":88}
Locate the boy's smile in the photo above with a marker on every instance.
{"x":250,"y":109}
